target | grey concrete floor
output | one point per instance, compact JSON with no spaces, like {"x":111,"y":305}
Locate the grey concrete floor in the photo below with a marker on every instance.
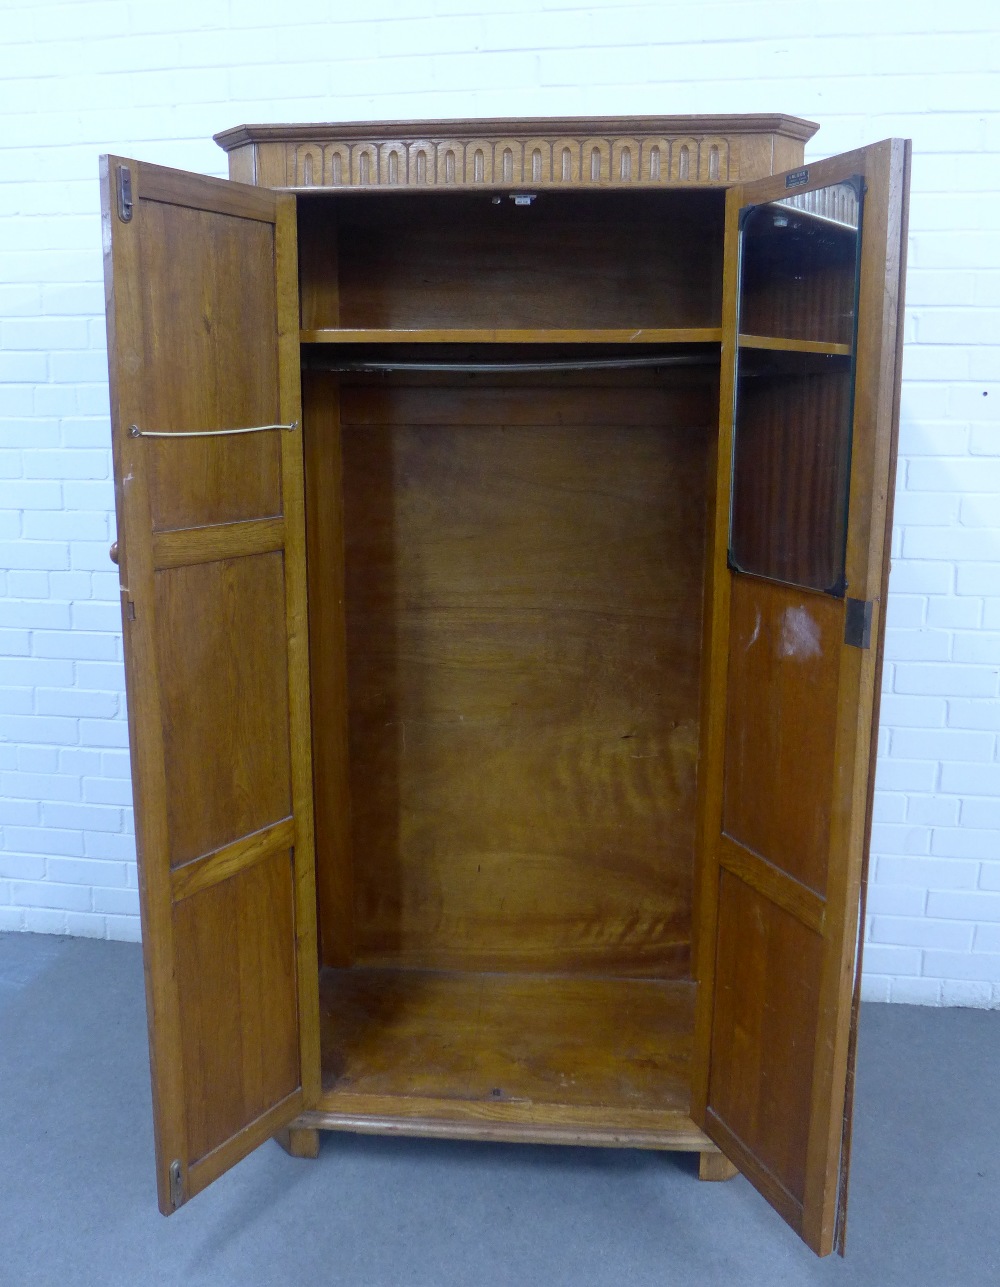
{"x":77,"y":1200}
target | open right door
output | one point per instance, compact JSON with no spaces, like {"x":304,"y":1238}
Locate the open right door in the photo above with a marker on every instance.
{"x":795,"y":611}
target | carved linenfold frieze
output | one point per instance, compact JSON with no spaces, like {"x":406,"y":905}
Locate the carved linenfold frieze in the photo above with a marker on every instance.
{"x":534,"y":162}
{"x":652,"y":151}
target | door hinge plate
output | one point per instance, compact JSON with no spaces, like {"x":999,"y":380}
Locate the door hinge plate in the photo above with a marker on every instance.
{"x":124,"y":193}
{"x":176,"y":1184}
{"x":858,"y":623}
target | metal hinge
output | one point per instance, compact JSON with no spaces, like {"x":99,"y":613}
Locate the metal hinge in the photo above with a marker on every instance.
{"x":124,"y":193}
{"x":176,"y":1184}
{"x":858,"y":623}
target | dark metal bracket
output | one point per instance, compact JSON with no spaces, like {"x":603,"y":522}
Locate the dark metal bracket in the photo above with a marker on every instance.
{"x":858,"y":623}
{"x":124,"y":193}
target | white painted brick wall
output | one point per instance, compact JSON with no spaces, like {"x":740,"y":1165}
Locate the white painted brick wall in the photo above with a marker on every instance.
{"x":155,"y":80}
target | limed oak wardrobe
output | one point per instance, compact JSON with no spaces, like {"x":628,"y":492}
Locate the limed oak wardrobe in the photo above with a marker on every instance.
{"x":503,"y":514}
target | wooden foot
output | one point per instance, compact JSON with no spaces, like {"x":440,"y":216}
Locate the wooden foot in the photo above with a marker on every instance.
{"x":715,"y":1166}
{"x":299,"y":1141}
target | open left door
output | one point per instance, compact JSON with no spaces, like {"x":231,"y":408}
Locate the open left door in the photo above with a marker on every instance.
{"x":809,"y":408}
{"x":203,"y":340}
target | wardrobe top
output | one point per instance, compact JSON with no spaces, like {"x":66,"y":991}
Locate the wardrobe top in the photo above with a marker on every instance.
{"x":566,"y":151}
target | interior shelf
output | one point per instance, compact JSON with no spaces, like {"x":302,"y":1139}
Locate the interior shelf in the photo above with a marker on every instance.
{"x":780,"y":344}
{"x":534,"y":335}
{"x":521,"y":1050}
{"x":640,"y":335}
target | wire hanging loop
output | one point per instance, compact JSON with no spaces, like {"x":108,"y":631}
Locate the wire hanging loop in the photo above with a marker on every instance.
{"x":135,"y":432}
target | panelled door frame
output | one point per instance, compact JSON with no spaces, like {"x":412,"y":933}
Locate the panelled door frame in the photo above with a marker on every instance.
{"x":884,"y":167}
{"x":140,"y":553}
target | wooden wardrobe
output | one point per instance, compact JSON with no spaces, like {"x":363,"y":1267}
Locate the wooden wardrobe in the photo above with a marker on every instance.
{"x":503,"y":525}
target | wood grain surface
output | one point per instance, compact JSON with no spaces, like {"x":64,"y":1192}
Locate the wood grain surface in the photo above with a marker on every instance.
{"x":524,"y":580}
{"x":564,"y":152}
{"x":569,"y":260}
{"x":203,"y":334}
{"x":781,"y":712}
{"x":224,"y":684}
{"x":513,"y":1041}
{"x":791,"y":462}
{"x":328,"y":665}
{"x":238,"y":1035}
{"x":524,"y":335}
{"x":209,"y":361}
{"x":787,"y":755}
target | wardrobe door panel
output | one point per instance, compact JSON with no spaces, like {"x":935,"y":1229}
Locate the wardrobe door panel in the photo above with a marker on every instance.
{"x":795,"y":613}
{"x":203,"y":340}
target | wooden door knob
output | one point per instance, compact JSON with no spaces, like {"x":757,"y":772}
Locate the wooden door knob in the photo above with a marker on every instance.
{"x":113,"y":552}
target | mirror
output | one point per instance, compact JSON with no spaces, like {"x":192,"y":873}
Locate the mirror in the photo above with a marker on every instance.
{"x":796,"y":321}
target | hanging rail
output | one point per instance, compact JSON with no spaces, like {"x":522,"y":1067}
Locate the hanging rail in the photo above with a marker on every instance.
{"x":135,"y":432}
{"x":500,"y":368}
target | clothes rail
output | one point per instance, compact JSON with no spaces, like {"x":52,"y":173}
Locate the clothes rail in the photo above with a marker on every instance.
{"x":500,"y":368}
